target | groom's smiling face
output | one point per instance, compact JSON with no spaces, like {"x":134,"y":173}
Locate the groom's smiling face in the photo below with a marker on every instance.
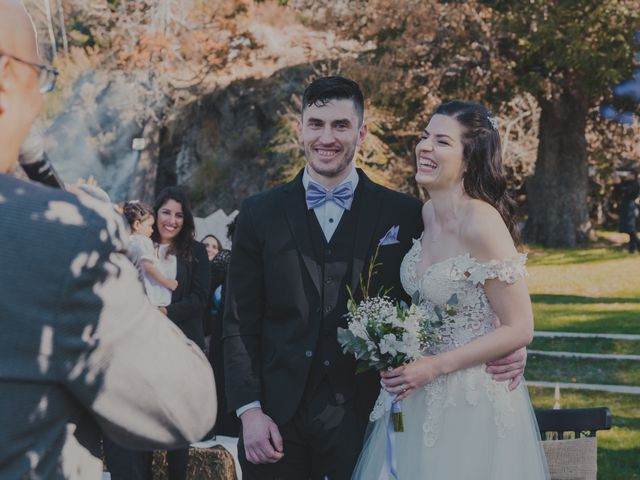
{"x":330,"y":134}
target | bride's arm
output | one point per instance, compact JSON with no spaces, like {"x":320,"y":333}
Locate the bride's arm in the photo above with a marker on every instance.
{"x":488,"y":238}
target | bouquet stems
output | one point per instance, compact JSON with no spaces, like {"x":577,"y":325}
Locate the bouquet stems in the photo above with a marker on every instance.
{"x":396,"y":417}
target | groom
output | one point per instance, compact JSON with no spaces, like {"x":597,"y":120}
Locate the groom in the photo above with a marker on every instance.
{"x":297,"y":248}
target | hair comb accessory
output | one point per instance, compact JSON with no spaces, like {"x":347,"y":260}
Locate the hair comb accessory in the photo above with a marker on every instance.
{"x":493,"y":121}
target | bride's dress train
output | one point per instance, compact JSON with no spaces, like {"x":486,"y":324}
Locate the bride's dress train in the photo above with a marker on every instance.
{"x":465,"y":425}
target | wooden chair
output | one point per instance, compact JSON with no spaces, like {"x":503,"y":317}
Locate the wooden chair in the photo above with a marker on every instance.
{"x":569,"y":440}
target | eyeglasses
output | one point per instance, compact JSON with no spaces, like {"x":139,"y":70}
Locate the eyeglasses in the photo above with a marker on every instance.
{"x":47,"y":75}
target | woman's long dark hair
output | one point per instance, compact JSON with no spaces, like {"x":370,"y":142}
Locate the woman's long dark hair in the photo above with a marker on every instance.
{"x":484,"y":177}
{"x":183,"y":242}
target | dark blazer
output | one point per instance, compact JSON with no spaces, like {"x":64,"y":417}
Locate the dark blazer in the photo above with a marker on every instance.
{"x":189,"y":300}
{"x":272,"y":320}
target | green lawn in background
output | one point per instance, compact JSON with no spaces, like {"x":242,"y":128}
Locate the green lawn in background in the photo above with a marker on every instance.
{"x":592,"y":290}
{"x":618,"y":448}
{"x":584,"y":370}
{"x":586,"y":345}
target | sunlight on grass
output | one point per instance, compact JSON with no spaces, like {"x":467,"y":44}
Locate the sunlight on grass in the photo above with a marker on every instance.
{"x":593,"y":318}
{"x":585,"y":290}
{"x":610,"y":278}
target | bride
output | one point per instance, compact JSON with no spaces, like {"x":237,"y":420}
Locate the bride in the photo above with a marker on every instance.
{"x":459,"y":423}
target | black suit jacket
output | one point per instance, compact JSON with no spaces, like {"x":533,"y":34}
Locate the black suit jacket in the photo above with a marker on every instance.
{"x":189,"y":300}
{"x":271,"y":321}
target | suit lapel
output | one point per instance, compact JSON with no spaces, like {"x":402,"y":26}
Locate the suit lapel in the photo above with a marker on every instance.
{"x":296,"y":212}
{"x":369,"y":201}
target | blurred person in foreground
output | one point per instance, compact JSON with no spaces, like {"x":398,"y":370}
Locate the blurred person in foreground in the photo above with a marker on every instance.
{"x":81,"y":346}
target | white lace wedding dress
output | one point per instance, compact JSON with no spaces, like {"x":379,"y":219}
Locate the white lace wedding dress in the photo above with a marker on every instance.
{"x":465,"y":425}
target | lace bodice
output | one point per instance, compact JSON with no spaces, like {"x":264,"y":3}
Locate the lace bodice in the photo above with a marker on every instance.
{"x":452,"y":294}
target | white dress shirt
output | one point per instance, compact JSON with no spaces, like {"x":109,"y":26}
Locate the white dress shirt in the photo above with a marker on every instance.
{"x":330,"y":213}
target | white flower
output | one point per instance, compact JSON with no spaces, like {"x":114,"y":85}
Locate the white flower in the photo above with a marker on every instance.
{"x":389,"y":344}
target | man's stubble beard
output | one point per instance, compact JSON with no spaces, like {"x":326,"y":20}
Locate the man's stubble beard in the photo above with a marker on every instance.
{"x":346,"y":161}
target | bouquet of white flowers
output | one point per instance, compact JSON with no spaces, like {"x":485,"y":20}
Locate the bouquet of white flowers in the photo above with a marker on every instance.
{"x":382,"y":333}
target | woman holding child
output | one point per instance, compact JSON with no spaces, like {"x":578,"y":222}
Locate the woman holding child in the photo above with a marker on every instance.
{"x":184,"y":261}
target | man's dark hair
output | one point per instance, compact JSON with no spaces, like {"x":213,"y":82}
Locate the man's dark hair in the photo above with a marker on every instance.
{"x":324,"y":89}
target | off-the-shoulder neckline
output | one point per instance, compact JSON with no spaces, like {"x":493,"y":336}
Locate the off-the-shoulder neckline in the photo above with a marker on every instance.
{"x":467,"y":255}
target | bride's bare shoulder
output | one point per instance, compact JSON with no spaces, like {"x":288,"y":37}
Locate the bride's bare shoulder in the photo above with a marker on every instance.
{"x":484,"y":232}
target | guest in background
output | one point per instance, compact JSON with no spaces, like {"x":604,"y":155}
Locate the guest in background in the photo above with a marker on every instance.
{"x":626,"y":192}
{"x":212,"y":244}
{"x":227,"y":423}
{"x":143,"y":254}
{"x":184,"y":260}
{"x":174,"y":234}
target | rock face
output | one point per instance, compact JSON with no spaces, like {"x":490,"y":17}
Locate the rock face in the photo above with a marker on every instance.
{"x":224,"y":146}
{"x":92,"y":137}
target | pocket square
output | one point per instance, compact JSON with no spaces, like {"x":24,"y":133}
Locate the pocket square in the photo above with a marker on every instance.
{"x":391,"y":237}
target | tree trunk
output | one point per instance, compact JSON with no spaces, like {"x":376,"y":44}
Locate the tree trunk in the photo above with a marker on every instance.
{"x":557,"y":192}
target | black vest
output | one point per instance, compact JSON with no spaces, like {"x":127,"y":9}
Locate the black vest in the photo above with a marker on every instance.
{"x":335,"y":259}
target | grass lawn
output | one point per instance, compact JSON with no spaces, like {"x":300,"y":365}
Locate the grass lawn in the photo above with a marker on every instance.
{"x":584,"y":370}
{"x":593,"y":290}
{"x":586,"y":345}
{"x":618,"y":448}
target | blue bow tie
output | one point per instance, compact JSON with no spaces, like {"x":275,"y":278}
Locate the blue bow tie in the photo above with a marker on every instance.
{"x":317,"y":195}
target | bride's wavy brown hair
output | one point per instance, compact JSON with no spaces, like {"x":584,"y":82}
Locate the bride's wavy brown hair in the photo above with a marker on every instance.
{"x":484,"y":177}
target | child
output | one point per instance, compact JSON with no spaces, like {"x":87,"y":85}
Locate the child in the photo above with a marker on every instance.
{"x":157,"y":283}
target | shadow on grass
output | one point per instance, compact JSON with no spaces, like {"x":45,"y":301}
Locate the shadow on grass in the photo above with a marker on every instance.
{"x":619,"y":464}
{"x":567,"y":319}
{"x":626,"y":422}
{"x":577,"y":299}
{"x":549,"y":256}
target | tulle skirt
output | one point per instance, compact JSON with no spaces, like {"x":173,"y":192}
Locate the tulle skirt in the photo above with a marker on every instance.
{"x":464,"y":426}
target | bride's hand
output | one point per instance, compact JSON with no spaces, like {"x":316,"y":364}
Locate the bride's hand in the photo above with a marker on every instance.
{"x":403,"y":380}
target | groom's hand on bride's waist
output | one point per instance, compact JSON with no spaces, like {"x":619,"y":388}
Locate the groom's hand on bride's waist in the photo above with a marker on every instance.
{"x":509,"y":368}
{"x":261,"y":437}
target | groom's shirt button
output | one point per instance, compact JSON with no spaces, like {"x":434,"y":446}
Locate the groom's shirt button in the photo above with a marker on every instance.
{"x":331,"y":220}
{"x":308,"y":353}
